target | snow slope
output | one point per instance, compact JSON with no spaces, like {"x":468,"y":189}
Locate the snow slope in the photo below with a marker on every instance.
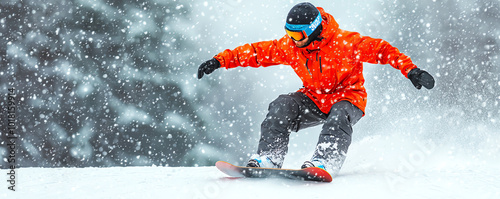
{"x":374,"y":169}
{"x":208,"y":182}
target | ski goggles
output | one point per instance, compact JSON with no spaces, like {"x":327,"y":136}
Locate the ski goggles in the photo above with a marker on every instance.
{"x":299,"y":32}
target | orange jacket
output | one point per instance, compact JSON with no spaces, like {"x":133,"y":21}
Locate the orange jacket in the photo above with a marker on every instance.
{"x":331,"y":69}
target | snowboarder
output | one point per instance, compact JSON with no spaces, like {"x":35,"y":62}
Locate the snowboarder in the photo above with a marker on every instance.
{"x":329,"y":61}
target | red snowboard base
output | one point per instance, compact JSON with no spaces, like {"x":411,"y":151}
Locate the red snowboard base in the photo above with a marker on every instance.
{"x":309,"y":174}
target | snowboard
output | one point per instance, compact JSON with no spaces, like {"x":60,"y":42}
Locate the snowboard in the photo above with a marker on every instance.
{"x":308,"y":174}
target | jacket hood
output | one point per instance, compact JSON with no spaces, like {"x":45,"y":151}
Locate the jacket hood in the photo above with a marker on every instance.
{"x":330,"y":27}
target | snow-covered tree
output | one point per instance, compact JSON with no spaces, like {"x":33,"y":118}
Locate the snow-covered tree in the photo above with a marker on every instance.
{"x":99,"y":82}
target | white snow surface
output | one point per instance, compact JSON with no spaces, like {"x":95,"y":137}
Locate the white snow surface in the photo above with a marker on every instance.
{"x":373,"y":169}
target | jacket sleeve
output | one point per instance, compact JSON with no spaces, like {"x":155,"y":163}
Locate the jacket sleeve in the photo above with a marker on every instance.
{"x":378,"y":51}
{"x":264,"y":53}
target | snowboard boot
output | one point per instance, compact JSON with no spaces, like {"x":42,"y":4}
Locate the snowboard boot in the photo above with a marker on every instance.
{"x":313,"y":163}
{"x":261,"y":161}
{"x":253,"y":163}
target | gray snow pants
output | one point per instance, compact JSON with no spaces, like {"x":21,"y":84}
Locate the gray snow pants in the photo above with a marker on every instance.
{"x":295,"y":111}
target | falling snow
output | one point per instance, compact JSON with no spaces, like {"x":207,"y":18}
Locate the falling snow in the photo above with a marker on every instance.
{"x":113,"y":83}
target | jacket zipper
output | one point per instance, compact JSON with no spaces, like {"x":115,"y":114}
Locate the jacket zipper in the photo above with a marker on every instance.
{"x":320,"y":66}
{"x":307,"y":66}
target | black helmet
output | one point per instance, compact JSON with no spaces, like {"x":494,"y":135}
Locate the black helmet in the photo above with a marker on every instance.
{"x":303,"y":20}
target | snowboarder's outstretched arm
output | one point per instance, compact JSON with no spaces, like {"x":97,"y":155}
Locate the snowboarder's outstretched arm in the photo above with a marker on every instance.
{"x":264,"y":53}
{"x":378,"y":51}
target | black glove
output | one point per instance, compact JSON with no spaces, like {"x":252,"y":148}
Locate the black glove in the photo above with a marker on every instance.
{"x":208,"y":67}
{"x":421,"y":78}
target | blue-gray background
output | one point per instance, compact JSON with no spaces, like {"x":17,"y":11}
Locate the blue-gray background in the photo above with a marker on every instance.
{"x":113,"y":82}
